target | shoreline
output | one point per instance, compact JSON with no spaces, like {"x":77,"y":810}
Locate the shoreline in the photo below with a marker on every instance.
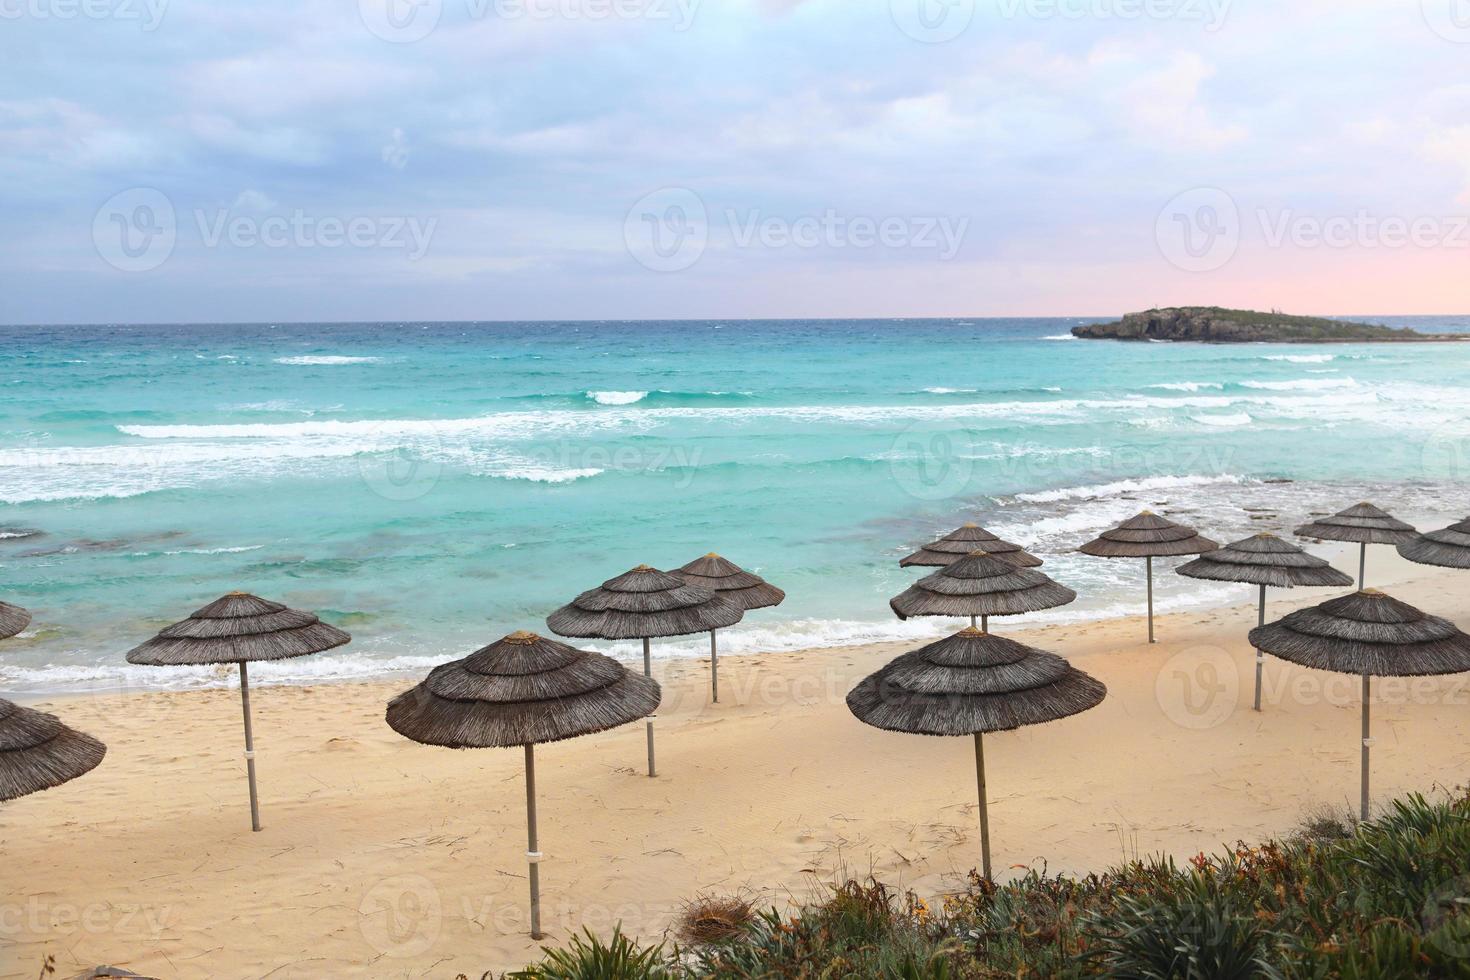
{"x":691,"y":650}
{"x":381,"y":857}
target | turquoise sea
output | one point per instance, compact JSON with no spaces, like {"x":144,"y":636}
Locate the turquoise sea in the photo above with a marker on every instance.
{"x":432,"y":486}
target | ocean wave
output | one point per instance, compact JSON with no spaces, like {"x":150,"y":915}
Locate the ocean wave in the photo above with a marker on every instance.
{"x":1301,"y":384}
{"x":323,"y":668}
{"x":1241,"y":418}
{"x":1061,"y":336}
{"x":318,"y":360}
{"x":1189,"y":385}
{"x":118,"y":472}
{"x":1300,"y":358}
{"x":1073,"y":526}
{"x":546,"y":474}
{"x":617,"y":397}
{"x":1118,"y":487}
{"x":281,"y":406}
{"x":951,"y":391}
{"x":558,"y":422}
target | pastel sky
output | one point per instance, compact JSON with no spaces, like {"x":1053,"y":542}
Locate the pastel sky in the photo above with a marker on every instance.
{"x":247,"y":160}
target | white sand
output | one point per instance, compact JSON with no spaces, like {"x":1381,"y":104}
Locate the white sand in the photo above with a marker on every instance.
{"x":384,"y":858}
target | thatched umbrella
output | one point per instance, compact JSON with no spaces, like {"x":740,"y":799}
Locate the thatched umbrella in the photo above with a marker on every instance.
{"x":969,"y":684}
{"x":1449,"y":548}
{"x":38,"y":752}
{"x":1362,"y":525}
{"x":970,"y":538}
{"x":239,"y":628}
{"x":1149,"y":536}
{"x":1372,"y":635}
{"x":1264,"y":560}
{"x":13,"y":619}
{"x":979,"y":585}
{"x":521,"y":691}
{"x":639,"y":605}
{"x":725,"y":578}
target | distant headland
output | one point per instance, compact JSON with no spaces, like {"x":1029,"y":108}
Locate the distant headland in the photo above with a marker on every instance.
{"x":1215,"y":325}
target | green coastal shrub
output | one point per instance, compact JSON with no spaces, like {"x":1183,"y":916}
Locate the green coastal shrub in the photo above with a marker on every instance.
{"x":590,"y":959}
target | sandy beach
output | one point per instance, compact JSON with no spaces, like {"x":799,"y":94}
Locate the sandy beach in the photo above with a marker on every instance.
{"x":385,"y":858}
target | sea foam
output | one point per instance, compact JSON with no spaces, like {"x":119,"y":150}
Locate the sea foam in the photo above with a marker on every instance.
{"x":326,"y":359}
{"x":617,"y":397}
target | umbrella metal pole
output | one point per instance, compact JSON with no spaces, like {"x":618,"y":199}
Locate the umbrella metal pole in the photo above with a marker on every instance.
{"x":984,"y":811}
{"x":648,"y":672}
{"x":1260,"y":657}
{"x":714,"y":666}
{"x":1362,"y":566}
{"x":533,"y":855}
{"x":249,"y":748}
{"x":1149,"y":561}
{"x":1367,"y":741}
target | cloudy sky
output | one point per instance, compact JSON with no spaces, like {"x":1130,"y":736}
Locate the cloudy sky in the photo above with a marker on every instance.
{"x":242,"y":160}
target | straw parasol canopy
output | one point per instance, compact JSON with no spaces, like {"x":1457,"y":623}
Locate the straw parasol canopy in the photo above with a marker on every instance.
{"x":970,"y":538}
{"x":644,"y":603}
{"x":725,"y":578}
{"x":1264,"y":560}
{"x":1361,"y":524}
{"x":13,"y":619}
{"x":1149,"y":536}
{"x":969,"y":684}
{"x":981,"y":585}
{"x":1449,"y":548}
{"x":973,"y":682}
{"x":522,"y":690}
{"x":640,"y":604}
{"x":239,"y":628}
{"x":38,"y":752}
{"x":1370,"y":634}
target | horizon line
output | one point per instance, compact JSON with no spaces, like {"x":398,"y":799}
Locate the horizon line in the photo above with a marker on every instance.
{"x":666,"y":319}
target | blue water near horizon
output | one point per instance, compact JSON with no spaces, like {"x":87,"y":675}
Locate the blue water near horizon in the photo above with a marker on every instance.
{"x":431,"y":487}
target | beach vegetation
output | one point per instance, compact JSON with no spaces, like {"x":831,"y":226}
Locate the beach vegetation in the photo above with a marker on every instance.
{"x":1387,"y":897}
{"x":712,"y":919}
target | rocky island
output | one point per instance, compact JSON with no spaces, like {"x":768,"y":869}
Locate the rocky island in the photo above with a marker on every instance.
{"x":1214,"y":325}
